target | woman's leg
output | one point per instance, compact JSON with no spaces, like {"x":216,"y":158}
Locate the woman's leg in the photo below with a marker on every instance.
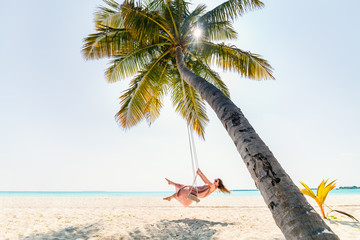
{"x":177,"y":185}
{"x":170,"y":197}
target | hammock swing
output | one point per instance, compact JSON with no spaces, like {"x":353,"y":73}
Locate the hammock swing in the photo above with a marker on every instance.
{"x":194,"y":159}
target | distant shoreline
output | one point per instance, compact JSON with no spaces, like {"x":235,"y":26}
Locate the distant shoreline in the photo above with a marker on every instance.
{"x":347,"y":187}
{"x":234,"y":193}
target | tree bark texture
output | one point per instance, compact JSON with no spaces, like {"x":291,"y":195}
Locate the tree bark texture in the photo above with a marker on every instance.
{"x":292,"y":213}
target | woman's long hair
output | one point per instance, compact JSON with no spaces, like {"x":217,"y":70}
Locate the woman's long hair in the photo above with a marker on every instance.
{"x":222,"y":187}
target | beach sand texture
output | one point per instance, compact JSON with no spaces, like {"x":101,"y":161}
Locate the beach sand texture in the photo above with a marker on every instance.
{"x":152,"y":218}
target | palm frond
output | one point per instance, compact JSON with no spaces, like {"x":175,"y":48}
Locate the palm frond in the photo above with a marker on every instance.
{"x":192,"y":17}
{"x":180,"y":10}
{"x":128,"y":65}
{"x":115,"y":5}
{"x":174,"y":24}
{"x":173,"y":11}
{"x":189,"y":23}
{"x":144,"y":25}
{"x":189,"y":105}
{"x":202,"y":69}
{"x":107,"y":42}
{"x":154,"y":5}
{"x":159,"y":79}
{"x":133,"y":102}
{"x":230,"y":58}
{"x":218,"y":31}
{"x":230,"y":10}
{"x":143,"y":99}
{"x":110,"y":17}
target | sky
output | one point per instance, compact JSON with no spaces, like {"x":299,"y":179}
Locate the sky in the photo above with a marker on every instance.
{"x":57,"y":125}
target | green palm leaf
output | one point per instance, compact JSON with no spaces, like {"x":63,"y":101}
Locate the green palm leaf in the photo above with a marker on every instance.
{"x":218,"y":31}
{"x":191,"y":18}
{"x":107,"y":43}
{"x":188,"y":103}
{"x":202,"y":69}
{"x":128,"y":65}
{"x":144,"y":25}
{"x":160,"y":82}
{"x":230,"y":10}
{"x":230,"y":58}
{"x":110,"y":17}
{"x":143,"y":99}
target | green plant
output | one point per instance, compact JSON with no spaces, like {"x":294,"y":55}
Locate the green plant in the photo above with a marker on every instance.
{"x":321,"y":194}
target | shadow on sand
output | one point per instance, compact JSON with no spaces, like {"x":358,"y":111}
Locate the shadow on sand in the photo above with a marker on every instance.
{"x":69,"y":233}
{"x":196,"y":229}
{"x":178,"y":229}
{"x":346,"y":223}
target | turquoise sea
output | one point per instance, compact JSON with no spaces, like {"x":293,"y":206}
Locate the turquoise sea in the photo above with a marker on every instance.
{"x":234,"y":193}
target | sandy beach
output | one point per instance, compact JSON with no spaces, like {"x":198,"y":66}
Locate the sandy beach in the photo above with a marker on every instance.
{"x":152,"y":218}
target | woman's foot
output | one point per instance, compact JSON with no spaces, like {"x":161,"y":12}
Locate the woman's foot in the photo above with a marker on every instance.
{"x":169,"y":182}
{"x":167,"y":198}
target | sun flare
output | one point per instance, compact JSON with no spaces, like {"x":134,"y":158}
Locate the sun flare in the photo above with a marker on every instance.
{"x":197,"y":32}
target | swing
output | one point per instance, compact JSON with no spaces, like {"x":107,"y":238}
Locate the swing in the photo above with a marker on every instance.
{"x":194,"y":163}
{"x":194,"y":160}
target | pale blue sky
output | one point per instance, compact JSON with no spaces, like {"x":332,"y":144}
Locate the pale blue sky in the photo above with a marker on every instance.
{"x":57,"y":127}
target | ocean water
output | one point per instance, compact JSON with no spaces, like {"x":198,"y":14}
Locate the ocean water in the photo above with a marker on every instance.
{"x":234,"y":193}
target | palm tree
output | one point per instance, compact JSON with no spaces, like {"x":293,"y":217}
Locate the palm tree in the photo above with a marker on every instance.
{"x":155,"y":44}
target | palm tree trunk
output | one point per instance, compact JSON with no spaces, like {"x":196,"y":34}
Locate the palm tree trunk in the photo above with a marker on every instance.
{"x":291,"y":211}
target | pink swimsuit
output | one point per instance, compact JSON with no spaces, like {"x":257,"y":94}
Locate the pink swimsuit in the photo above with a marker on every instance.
{"x":183,"y":190}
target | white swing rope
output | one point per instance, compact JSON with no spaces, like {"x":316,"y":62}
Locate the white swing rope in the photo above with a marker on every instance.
{"x":194,"y":159}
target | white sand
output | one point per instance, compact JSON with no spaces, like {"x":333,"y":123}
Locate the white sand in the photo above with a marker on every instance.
{"x":152,"y":218}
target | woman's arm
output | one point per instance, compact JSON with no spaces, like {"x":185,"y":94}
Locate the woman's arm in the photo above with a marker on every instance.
{"x":206,"y":181}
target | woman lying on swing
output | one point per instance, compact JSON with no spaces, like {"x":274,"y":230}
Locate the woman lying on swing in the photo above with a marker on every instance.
{"x":186,"y":194}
